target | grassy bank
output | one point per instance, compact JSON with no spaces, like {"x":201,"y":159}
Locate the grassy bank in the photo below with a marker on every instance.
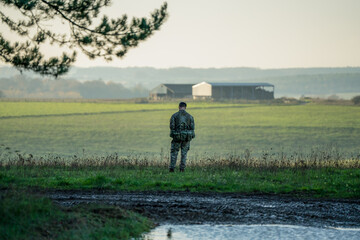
{"x":25,"y":216}
{"x":323,"y":182}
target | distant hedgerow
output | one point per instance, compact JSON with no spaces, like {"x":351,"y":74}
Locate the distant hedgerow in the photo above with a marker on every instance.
{"x":356,"y":100}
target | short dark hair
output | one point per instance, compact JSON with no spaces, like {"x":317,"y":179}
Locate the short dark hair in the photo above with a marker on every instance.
{"x":182,"y":104}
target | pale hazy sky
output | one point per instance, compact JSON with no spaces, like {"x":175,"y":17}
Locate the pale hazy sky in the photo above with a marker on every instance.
{"x":245,"y":33}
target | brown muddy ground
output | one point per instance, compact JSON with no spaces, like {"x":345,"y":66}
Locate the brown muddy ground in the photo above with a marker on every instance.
{"x":223,"y":208}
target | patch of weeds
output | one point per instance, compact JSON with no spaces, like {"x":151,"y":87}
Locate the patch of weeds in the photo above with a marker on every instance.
{"x":161,"y":184}
{"x":110,"y":222}
{"x":158,"y":184}
{"x":191,"y":186}
{"x":99,"y":181}
{"x":118,"y":181}
{"x":6,"y":179}
{"x":27,"y":217}
{"x":63,"y":183}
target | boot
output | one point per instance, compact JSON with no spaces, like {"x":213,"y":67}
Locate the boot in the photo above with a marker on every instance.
{"x":171,"y":170}
{"x":182,"y":170}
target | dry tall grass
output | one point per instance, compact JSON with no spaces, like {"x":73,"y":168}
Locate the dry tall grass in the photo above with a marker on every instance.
{"x":316,"y":158}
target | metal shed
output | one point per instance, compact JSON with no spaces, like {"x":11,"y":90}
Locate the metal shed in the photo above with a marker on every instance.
{"x":171,"y":91}
{"x":251,"y":91}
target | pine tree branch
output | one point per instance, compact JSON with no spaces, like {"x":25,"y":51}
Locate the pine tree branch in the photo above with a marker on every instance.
{"x":111,"y":37}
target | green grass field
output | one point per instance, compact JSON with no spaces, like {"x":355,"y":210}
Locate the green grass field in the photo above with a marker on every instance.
{"x":310,"y":149}
{"x":100,"y":128}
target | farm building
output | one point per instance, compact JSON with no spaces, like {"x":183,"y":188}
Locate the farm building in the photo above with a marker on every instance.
{"x":171,"y":91}
{"x":251,"y":91}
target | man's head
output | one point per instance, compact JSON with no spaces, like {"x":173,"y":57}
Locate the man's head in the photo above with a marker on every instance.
{"x":182,"y":106}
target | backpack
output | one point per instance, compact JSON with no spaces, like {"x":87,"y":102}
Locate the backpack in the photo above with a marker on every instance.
{"x":182,"y":134}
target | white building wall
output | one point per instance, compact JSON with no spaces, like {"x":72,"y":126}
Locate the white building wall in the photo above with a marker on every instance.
{"x":159,"y":89}
{"x":201,"y":90}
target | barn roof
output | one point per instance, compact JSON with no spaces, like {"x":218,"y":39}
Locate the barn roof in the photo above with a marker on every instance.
{"x":241,"y":84}
{"x":179,"y":88}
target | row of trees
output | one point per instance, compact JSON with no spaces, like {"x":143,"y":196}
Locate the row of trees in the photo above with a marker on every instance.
{"x":22,"y":87}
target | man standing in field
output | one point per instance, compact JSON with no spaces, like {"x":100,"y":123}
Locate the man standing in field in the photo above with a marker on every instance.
{"x":182,"y":128}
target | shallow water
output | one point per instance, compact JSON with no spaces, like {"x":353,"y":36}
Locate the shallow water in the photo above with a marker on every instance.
{"x":206,"y":231}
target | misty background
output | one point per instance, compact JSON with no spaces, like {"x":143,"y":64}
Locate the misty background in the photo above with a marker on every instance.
{"x":136,"y":82}
{"x":304,"y":48}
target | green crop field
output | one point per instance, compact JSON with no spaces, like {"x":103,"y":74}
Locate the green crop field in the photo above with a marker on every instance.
{"x":310,"y":149}
{"x":100,"y":128}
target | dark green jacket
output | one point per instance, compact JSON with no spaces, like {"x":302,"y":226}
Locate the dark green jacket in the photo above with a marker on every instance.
{"x":182,"y":122}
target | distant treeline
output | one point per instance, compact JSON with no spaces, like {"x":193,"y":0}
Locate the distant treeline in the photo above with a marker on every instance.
{"x":137,"y":81}
{"x":26,"y":87}
{"x":317,"y":84}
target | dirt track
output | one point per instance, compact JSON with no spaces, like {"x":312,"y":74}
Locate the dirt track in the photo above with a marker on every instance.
{"x":216,"y":208}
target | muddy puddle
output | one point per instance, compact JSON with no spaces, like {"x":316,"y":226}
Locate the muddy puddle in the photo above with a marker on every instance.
{"x":206,"y":231}
{"x":185,"y":208}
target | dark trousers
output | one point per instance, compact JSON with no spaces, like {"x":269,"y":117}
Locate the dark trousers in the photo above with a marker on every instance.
{"x":175,"y":147}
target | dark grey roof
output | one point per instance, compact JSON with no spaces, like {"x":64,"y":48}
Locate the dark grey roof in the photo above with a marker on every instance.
{"x":180,"y":88}
{"x":241,"y":84}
